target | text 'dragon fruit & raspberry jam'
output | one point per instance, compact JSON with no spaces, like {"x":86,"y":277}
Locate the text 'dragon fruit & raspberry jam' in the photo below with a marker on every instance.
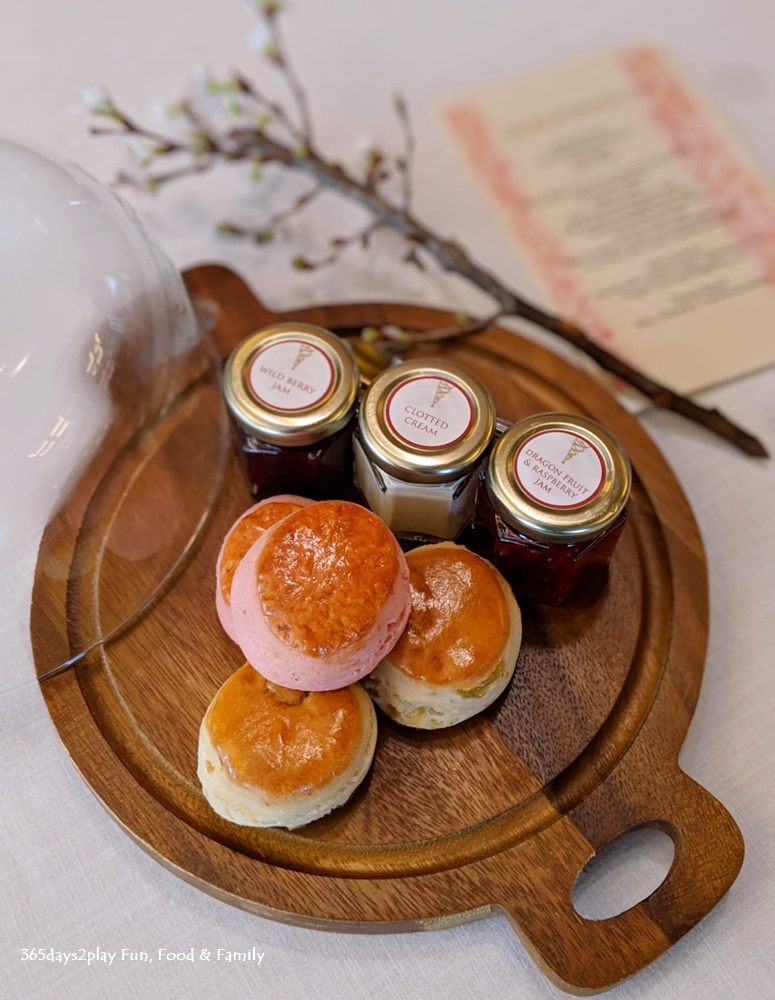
{"x":550,"y":506}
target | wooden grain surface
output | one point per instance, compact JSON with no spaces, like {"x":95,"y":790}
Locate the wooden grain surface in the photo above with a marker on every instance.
{"x":498,"y":814}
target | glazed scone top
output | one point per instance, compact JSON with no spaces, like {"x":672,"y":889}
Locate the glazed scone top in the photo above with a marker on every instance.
{"x":448,"y":640}
{"x":283,"y":742}
{"x":325,"y":575}
{"x":244,"y":532}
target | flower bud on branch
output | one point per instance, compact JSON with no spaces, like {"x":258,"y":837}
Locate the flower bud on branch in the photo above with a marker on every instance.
{"x":287,"y":142}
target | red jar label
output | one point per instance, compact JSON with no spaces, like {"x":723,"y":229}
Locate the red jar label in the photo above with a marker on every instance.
{"x":429,"y":412}
{"x":559,"y":469}
{"x":290,"y":375}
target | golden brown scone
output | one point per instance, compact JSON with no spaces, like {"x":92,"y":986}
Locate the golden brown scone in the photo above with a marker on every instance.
{"x":459,"y":649}
{"x":269,"y":756}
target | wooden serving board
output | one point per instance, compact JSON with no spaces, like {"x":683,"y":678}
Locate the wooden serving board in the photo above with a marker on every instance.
{"x":499,"y":814}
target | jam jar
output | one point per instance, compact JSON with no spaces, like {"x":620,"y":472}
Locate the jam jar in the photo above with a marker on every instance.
{"x":292,"y":390}
{"x":550,"y":505}
{"x":424,"y":428}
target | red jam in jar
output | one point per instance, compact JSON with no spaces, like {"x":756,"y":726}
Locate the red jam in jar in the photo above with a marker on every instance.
{"x":292,"y":390}
{"x":550,"y":506}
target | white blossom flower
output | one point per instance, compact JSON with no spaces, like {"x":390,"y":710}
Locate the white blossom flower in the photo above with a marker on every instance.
{"x":170,"y":119}
{"x":260,"y":38}
{"x":94,"y":98}
{"x":364,"y":144}
{"x":201,"y":80}
{"x":160,"y":111}
{"x":134,"y":146}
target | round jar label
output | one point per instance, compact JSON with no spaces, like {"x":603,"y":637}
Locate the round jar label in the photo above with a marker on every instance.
{"x":429,"y":412}
{"x":290,"y":375}
{"x":559,"y":469}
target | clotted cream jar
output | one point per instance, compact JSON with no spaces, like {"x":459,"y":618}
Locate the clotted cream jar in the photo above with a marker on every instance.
{"x":424,"y":427}
{"x":551,"y":504}
{"x":292,"y":390}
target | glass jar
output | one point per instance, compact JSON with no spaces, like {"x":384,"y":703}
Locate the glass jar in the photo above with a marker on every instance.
{"x":550,"y":506}
{"x":292,"y":390}
{"x":424,"y":427}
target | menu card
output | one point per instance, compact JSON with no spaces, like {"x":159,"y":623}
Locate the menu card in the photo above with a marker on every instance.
{"x":635,"y":208}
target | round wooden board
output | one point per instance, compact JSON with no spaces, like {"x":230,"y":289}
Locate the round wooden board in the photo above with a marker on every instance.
{"x":498,"y":814}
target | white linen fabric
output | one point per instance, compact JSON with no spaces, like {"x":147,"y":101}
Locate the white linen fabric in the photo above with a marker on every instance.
{"x":70,"y":879}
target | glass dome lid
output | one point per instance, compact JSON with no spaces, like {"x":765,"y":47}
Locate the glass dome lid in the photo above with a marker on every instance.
{"x":105,"y":374}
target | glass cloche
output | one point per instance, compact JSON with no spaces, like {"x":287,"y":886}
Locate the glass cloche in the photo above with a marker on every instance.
{"x":113,"y":429}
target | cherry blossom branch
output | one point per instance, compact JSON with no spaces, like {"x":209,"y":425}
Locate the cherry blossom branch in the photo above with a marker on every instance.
{"x":265,"y":234}
{"x":274,"y":110}
{"x":259,"y":143}
{"x":338,"y":245}
{"x":276,"y":53}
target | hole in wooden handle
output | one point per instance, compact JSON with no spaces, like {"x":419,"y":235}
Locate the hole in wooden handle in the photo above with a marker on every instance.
{"x":624,"y":872}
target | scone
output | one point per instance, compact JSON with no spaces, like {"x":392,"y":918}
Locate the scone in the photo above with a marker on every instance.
{"x":459,"y":649}
{"x":273,"y":757}
{"x":239,"y":538}
{"x":321,"y":597}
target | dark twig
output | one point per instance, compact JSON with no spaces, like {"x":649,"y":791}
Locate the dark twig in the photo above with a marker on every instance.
{"x":265,"y":233}
{"x":338,"y":245}
{"x":279,"y":57}
{"x":261,"y":145}
{"x":152,"y":182}
{"x":406,"y":162}
{"x":466,"y":328}
{"x":275,"y":111}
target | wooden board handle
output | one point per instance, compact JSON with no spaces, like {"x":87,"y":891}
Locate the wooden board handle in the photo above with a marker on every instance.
{"x":230,"y":309}
{"x":586,"y":956}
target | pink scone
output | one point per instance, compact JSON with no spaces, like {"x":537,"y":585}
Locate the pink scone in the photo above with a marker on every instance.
{"x":240,"y":536}
{"x":321,"y":597}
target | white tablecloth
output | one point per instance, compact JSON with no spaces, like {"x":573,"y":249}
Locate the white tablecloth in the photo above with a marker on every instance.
{"x":71,"y":879}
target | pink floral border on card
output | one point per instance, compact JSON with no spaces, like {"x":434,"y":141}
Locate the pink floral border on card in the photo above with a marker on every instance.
{"x":737,"y":196}
{"x":471,"y":130}
{"x":743,"y":202}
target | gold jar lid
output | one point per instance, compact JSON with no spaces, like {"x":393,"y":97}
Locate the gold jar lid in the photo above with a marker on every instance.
{"x":426,"y":420}
{"x":557,"y":477}
{"x":291,"y":384}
